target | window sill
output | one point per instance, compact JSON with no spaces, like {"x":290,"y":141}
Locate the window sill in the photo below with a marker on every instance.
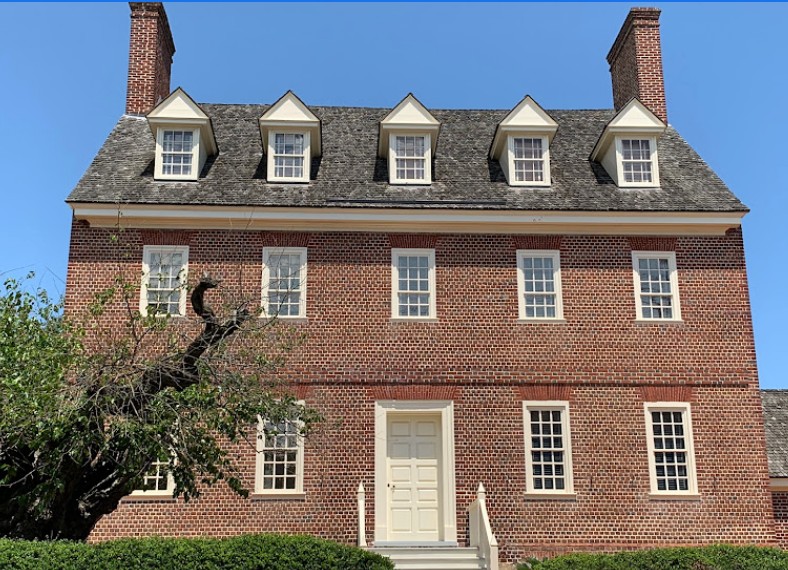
{"x":673,"y":497}
{"x":164,"y":498}
{"x":277,"y":496}
{"x":542,"y":321}
{"x":414,"y":320}
{"x":291,"y":320}
{"x":550,"y":496}
{"x":674,"y":322}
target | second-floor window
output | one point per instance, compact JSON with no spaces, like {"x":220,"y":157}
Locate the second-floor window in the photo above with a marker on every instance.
{"x":413,"y":283}
{"x":284,"y":282}
{"x":656,"y":285}
{"x":539,"y":284}
{"x":164,"y":274}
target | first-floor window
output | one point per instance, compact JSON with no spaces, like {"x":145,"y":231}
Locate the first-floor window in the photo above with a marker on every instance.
{"x":539,"y":284}
{"x":671,"y":454}
{"x":280,"y":458}
{"x":284,"y":281}
{"x":656,"y":285}
{"x":548,"y":452}
{"x":413,"y":283}
{"x":164,"y":274}
{"x":157,"y":480}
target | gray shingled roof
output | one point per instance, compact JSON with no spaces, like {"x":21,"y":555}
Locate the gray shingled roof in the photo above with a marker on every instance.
{"x":775,"y":415}
{"x":350,"y":174}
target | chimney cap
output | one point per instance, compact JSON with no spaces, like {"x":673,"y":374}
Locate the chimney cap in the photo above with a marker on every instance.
{"x":642,"y":14}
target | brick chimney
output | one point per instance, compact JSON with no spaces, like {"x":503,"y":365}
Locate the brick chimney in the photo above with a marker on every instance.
{"x":636,"y":62}
{"x":150,"y":57}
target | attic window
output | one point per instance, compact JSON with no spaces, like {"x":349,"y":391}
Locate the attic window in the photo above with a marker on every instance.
{"x":410,"y":155}
{"x":177,"y":153}
{"x":636,"y":160}
{"x":287,"y":157}
{"x":528,"y":159}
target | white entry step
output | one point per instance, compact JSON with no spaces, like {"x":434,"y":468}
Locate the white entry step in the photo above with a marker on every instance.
{"x":432,"y":557}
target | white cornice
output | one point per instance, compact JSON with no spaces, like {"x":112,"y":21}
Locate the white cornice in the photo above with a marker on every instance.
{"x":406,"y":220}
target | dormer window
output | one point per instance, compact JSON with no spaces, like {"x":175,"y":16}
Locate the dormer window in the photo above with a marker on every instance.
{"x":521,"y":144}
{"x":636,"y":161}
{"x":411,"y":158}
{"x":176,"y":153}
{"x":288,"y":157}
{"x":184,"y":137}
{"x":291,"y":136}
{"x":627,"y":148}
{"x":408,"y":137}
{"x":528,"y":159}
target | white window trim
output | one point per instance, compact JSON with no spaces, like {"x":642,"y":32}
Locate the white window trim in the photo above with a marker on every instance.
{"x":271,"y":177}
{"x":692,"y":479}
{"x":159,"y":166}
{"x":674,"y":284}
{"x":395,"y":254}
{"x":393,"y":158}
{"x":267,"y":252}
{"x":550,"y":405}
{"x":260,"y":460}
{"x":146,"y":252}
{"x":555,"y":255}
{"x":620,"y":162}
{"x":164,"y":493}
{"x":545,"y":158}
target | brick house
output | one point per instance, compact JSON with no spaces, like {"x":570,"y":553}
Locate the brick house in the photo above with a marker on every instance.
{"x":553,"y":304}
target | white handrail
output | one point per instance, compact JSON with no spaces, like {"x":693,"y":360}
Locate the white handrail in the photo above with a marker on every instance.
{"x":362,"y":520}
{"x":480,"y":531}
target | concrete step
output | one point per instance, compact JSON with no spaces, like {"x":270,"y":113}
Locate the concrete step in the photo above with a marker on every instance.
{"x":432,"y":557}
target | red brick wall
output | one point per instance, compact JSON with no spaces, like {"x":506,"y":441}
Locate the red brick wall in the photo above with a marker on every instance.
{"x":780,"y":506}
{"x":150,"y":57}
{"x":478,"y":355}
{"x":636,"y":62}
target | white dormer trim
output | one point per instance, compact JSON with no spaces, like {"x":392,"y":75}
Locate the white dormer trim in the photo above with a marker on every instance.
{"x":635,"y":122}
{"x":408,"y":118}
{"x":179,"y":113}
{"x":527,"y":120}
{"x":290,"y":115}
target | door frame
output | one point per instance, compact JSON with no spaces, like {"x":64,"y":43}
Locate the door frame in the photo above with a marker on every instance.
{"x":443,"y":408}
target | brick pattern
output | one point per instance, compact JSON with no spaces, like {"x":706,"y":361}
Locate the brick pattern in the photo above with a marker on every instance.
{"x":479,"y":356}
{"x":150,"y":57}
{"x":780,"y":505}
{"x":636,"y":62}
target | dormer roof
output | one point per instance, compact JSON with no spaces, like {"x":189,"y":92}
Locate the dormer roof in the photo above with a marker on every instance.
{"x":180,"y":110}
{"x":526,"y":117}
{"x":292,"y":113}
{"x":633,"y":119}
{"x":408,"y":116}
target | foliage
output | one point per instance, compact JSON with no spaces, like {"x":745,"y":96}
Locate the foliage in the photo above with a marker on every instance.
{"x":254,"y":552}
{"x":719,"y":557}
{"x":86,"y":406}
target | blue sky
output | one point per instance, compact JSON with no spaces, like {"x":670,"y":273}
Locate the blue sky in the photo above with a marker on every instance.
{"x":63,"y":82}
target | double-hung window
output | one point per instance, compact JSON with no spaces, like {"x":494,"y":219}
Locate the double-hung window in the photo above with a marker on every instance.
{"x":637,"y":162}
{"x":288,"y":157}
{"x":177,"y":154}
{"x":413,"y":283}
{"x":539,"y":284}
{"x":280,"y":458}
{"x":670,"y":445}
{"x":548,"y":450}
{"x":164,"y":274}
{"x":284,"y":282}
{"x":410,"y":159}
{"x":656,"y":286}
{"x":529,"y":160}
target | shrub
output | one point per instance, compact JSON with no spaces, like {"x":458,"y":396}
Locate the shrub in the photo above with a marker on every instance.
{"x":720,"y":557}
{"x":254,"y":552}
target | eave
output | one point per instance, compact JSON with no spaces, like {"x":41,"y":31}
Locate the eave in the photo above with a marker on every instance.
{"x":405,"y":220}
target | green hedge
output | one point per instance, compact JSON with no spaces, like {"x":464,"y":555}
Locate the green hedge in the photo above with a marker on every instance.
{"x":706,"y":558}
{"x":254,"y":552}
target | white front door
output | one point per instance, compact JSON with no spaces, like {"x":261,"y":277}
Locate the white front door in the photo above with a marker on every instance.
{"x":413,"y":476}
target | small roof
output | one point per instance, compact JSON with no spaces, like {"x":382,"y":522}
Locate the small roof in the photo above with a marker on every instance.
{"x":633,"y":118}
{"x":408,"y":115}
{"x":526,"y":117}
{"x":775,"y":418}
{"x":290,"y":111}
{"x":180,"y":109}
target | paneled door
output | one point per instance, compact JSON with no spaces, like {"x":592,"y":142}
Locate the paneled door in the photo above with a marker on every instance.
{"x":414,"y":475}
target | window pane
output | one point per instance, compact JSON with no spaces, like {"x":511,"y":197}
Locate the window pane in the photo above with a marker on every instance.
{"x":548,"y":463}
{"x":671,"y":467}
